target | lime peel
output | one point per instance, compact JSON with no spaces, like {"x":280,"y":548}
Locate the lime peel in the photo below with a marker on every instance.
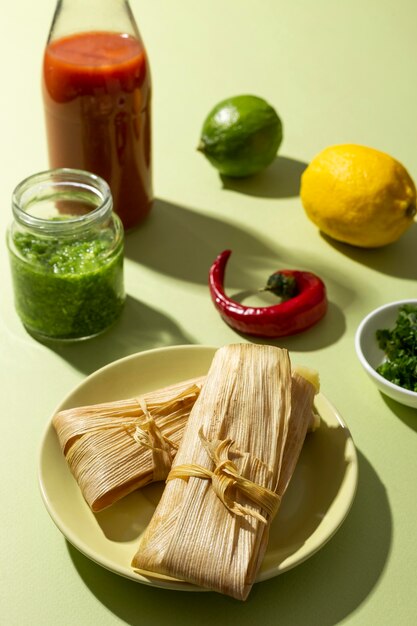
{"x":241,"y":136}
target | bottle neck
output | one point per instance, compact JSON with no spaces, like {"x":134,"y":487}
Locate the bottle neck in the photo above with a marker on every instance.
{"x":62,"y":202}
{"x":74,"y":16}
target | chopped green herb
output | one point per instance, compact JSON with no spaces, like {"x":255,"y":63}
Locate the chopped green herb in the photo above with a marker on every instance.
{"x":400,"y":347}
{"x":67,"y":289}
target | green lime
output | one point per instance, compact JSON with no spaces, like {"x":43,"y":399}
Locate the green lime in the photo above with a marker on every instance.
{"x":241,"y":135}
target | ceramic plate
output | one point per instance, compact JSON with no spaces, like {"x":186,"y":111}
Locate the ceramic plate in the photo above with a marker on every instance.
{"x":316,"y":503}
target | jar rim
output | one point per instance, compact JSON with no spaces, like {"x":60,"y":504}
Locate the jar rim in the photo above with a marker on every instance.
{"x":70,"y":177}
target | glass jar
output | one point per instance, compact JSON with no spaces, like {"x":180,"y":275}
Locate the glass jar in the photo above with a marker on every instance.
{"x":66,"y":254}
{"x":96,"y":88}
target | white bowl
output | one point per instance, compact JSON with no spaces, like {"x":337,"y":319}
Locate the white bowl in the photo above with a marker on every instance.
{"x":371,"y":356}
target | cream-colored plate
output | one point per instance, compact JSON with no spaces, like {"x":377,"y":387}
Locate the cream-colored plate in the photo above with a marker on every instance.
{"x":316,"y":503}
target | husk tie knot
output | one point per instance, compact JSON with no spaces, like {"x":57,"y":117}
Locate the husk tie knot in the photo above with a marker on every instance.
{"x":148,"y":434}
{"x":226,"y":479}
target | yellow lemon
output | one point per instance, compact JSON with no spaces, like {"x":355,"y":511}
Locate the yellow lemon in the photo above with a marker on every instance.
{"x":358,"y":195}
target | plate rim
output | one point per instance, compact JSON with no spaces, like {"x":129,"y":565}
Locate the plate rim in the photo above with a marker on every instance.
{"x":349,"y":485}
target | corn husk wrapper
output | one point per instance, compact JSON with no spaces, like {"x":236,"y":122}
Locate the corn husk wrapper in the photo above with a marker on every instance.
{"x":116,"y":447}
{"x":236,"y":458}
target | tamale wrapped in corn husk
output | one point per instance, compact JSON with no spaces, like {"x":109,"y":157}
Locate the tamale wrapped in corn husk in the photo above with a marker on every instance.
{"x":238,"y":452}
{"x":116,"y":447}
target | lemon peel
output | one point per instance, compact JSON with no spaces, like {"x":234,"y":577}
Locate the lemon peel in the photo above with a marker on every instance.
{"x":358,"y":195}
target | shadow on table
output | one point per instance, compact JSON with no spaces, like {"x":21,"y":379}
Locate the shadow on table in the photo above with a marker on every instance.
{"x":140,"y":327}
{"x":280,"y":180}
{"x":396,"y":259}
{"x":183,"y":243}
{"x":406,"y":414}
{"x":320,"y":592}
{"x":326,"y":332}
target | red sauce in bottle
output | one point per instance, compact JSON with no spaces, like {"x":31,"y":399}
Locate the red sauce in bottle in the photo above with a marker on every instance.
{"x":97,"y":93}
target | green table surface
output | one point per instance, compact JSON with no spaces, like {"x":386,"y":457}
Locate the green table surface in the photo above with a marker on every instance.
{"x":337,"y":72}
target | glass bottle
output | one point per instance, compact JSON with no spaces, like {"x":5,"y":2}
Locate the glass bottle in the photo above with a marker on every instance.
{"x":66,"y":255}
{"x":96,"y":89}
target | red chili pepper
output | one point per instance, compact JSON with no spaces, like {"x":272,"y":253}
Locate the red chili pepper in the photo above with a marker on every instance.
{"x":288,"y":317}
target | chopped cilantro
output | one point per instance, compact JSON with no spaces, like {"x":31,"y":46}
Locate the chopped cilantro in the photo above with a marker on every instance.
{"x":400,"y":347}
{"x":67,"y":289}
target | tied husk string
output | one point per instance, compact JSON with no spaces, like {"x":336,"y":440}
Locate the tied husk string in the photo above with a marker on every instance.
{"x":148,"y":434}
{"x":225,"y":479}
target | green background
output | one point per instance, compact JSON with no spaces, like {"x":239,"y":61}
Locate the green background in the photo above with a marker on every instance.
{"x":336,"y":72}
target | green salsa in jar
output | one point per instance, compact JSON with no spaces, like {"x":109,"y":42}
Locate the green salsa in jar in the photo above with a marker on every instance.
{"x":66,"y":255}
